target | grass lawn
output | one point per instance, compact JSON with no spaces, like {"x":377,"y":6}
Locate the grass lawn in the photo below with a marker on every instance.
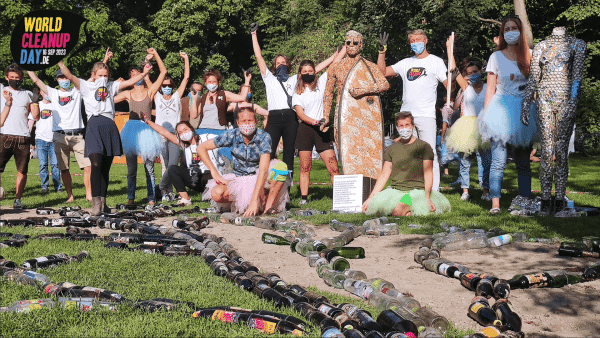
{"x":139,"y":276}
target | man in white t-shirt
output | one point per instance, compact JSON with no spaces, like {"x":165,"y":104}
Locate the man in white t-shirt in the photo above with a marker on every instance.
{"x":14,"y":133}
{"x":68,"y":131}
{"x":420,"y":77}
{"x":44,"y":145}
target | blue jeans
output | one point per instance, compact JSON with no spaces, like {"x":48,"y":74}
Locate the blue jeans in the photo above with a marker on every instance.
{"x":225,"y":151}
{"x":45,"y":150}
{"x":494,"y":163}
{"x":132,"y":177}
{"x":464,"y":170}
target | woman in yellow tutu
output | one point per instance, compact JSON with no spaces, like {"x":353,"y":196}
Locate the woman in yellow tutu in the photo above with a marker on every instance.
{"x":464,"y":137}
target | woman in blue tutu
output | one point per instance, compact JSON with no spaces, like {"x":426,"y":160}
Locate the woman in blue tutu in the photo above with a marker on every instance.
{"x":409,"y":163}
{"x":134,"y":134}
{"x":499,"y":123}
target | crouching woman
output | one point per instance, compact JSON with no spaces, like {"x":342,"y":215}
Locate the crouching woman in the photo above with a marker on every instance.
{"x":247,"y":190}
{"x":409,"y":162}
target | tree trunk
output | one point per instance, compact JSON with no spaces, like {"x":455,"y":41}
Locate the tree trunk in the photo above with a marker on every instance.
{"x":522,"y":13}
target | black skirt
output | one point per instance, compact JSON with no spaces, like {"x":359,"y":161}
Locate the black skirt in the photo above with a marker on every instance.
{"x":102,"y":137}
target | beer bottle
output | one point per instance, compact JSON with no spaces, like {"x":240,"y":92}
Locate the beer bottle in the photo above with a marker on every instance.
{"x":5,"y":263}
{"x":351,"y":252}
{"x":84,"y":303}
{"x":485,"y":287}
{"x":243,"y":282}
{"x":27,"y":305}
{"x":40,"y":262}
{"x":228,"y":217}
{"x":364,"y":319}
{"x":83,"y":237}
{"x":265,"y":292}
{"x":530,"y":280}
{"x":339,"y":263}
{"x":336,"y":225}
{"x":433,"y":264}
{"x":372,"y":223}
{"x":391,"y":321}
{"x":353,"y":333}
{"x":12,"y":244}
{"x":116,"y":245}
{"x":469,"y":280}
{"x":482,"y":313}
{"x":333,"y":278}
{"x":409,"y":314}
{"x":149,"y":248}
{"x":374,"y":334}
{"x":506,"y":315}
{"x":246,"y":221}
{"x":274,"y":239}
{"x":328,"y":309}
{"x":407,"y":302}
{"x":16,"y":222}
{"x":379,"y":284}
{"x":45,"y":211}
{"x":381,"y":301}
{"x":359,"y":288}
{"x":91,"y":292}
{"x":421,"y":255}
{"x":248,"y":266}
{"x":346,"y":322}
{"x":428,"y":332}
{"x":501,"y":289}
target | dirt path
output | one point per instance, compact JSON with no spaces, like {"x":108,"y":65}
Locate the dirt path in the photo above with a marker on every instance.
{"x":572,"y":311}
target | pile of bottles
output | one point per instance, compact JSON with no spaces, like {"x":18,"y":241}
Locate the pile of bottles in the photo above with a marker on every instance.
{"x":15,"y":240}
{"x":589,"y":247}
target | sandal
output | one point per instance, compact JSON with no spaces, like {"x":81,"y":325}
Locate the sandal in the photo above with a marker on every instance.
{"x":494,"y":211}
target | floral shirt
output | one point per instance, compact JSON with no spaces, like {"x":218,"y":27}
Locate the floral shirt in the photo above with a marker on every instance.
{"x":245,"y":157}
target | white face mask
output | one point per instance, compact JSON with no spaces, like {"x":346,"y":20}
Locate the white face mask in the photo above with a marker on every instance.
{"x":405,"y":133}
{"x":101,"y":81}
{"x":512,"y":37}
{"x":212,"y":87}
{"x":247,"y":129}
{"x":186,"y":137}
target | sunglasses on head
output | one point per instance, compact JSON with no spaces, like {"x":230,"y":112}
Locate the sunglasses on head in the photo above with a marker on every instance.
{"x":354,"y":42}
{"x":510,"y":17}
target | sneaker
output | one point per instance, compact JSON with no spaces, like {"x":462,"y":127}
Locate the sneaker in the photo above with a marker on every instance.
{"x":17,"y":204}
{"x":183,"y":202}
{"x":486,"y":197}
{"x":45,"y":190}
{"x":465,"y":197}
{"x":303,"y":202}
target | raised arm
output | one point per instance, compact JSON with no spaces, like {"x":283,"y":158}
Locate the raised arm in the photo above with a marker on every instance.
{"x":161,"y":130}
{"x":41,"y":85}
{"x":384,"y":176}
{"x":194,"y":107}
{"x":232,"y":97}
{"x":386,"y":71}
{"x":67,"y":73}
{"x":107,"y":56}
{"x":135,"y":79}
{"x":154,"y":87}
{"x":186,"y":73}
{"x":335,"y":57}
{"x":262,"y":66}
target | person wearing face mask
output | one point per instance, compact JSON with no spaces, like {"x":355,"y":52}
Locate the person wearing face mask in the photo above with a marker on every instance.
{"x":420,"y":77}
{"x":258,"y":184}
{"x":44,"y":145}
{"x":194,"y":174}
{"x":234,"y":108}
{"x":500,"y":121}
{"x":16,"y":105}
{"x":212,"y":108}
{"x":134,"y":144}
{"x":308,"y":102}
{"x":409,"y":163}
{"x":68,"y":131}
{"x":280,"y":86}
{"x":102,"y":139}
{"x":464,"y":137}
{"x":168,"y":114}
{"x":186,"y":104}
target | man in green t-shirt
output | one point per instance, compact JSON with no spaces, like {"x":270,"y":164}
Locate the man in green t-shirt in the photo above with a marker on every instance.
{"x":409,"y":163}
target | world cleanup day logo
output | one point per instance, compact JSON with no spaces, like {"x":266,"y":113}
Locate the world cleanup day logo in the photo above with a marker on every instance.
{"x":44,"y":37}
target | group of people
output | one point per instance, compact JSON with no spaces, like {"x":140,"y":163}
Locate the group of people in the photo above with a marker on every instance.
{"x":297,"y":113}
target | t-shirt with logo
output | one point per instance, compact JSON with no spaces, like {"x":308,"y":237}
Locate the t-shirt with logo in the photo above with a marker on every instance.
{"x":312,"y":101}
{"x":276,"y":97}
{"x":16,"y":122}
{"x":98,"y":97}
{"x":67,"y":106}
{"x":420,"y":78}
{"x":192,"y":157}
{"x":43,"y":127}
{"x":168,"y":112}
{"x":407,"y":164}
{"x":509,"y":79}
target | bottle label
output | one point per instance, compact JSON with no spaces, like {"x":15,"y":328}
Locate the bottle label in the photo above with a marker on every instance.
{"x":376,"y":282}
{"x":332,"y":333}
{"x":325,"y":308}
{"x":475,"y":307}
{"x":196,"y":314}
{"x":263,"y":325}
{"x":443,"y":268}
{"x":296,"y":332}
{"x":224,"y":316}
{"x":537,"y":280}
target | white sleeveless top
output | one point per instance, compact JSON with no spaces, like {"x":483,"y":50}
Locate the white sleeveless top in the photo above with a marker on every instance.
{"x":168,"y":112}
{"x":473,"y":103}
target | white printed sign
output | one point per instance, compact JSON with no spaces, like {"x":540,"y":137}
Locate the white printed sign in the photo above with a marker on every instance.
{"x":348,"y":193}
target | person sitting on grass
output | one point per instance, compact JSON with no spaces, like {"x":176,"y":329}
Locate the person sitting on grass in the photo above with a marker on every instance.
{"x":409,"y":162}
{"x":247,"y":191}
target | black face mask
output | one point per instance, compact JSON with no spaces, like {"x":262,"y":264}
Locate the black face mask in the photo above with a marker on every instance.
{"x":15,"y":84}
{"x":308,"y":78}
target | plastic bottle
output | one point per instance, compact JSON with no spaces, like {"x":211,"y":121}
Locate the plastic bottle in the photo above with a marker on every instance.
{"x":468,"y":241}
{"x":500,"y":240}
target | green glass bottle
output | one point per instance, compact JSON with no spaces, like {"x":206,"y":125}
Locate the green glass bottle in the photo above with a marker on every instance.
{"x":274,"y":239}
{"x":339,"y":263}
{"x":351,"y":252}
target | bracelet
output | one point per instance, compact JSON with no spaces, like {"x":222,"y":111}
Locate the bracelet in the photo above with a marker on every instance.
{"x":37,"y":104}
{"x":384,"y":50}
{"x":253,"y":33}
{"x":8,"y":105}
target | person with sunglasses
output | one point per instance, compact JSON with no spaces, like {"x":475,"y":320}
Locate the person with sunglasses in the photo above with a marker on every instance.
{"x":280,"y":86}
{"x":140,"y":109}
{"x":500,"y":121}
{"x":212,"y":106}
{"x":16,"y":105}
{"x":420,"y":77}
{"x":464,"y":138}
{"x":258,"y":184}
{"x":102,"y":139}
{"x":168,"y":114}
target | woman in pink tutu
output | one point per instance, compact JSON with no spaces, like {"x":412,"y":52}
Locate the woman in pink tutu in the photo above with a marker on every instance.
{"x":247,"y":190}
